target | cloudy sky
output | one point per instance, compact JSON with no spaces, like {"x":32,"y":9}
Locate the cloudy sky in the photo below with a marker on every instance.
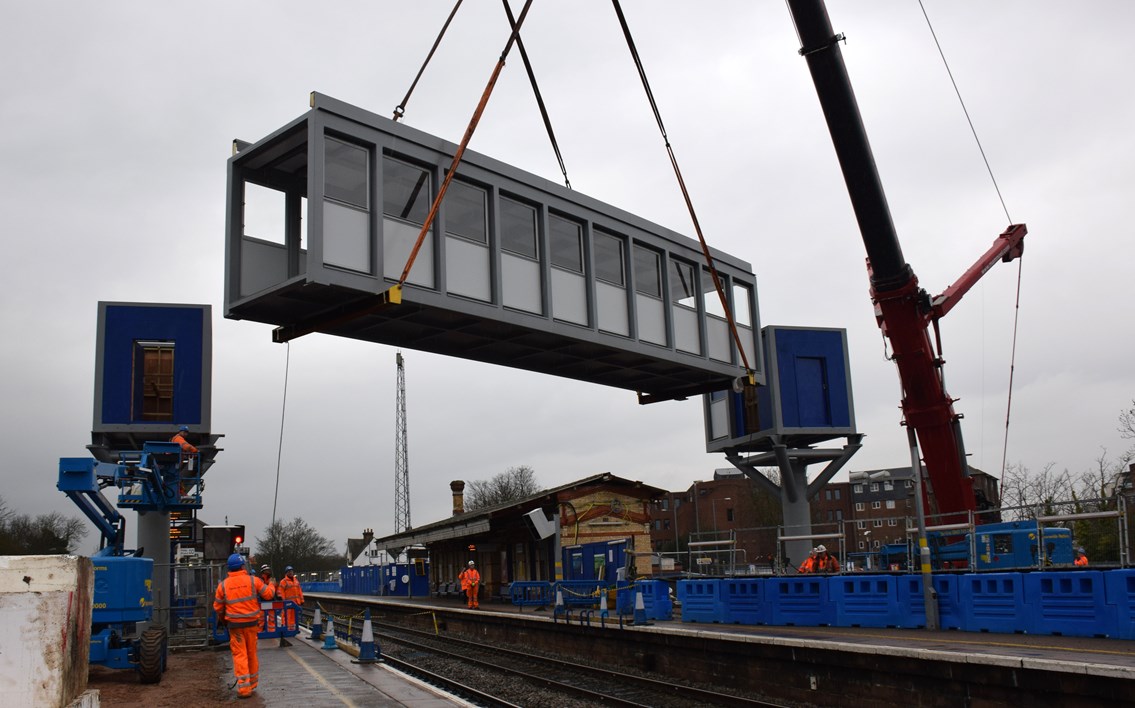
{"x":118,"y":119}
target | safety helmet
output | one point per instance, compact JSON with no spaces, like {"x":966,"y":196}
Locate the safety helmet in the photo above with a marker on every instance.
{"x":265,"y":568}
{"x":183,"y":429}
{"x":236,"y":561}
{"x":1080,"y":550}
{"x":288,"y":568}
{"x":821,"y":549}
{"x":471,"y":564}
{"x":815,"y":550}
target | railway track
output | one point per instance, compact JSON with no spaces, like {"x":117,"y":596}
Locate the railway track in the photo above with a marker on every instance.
{"x":494,"y":675}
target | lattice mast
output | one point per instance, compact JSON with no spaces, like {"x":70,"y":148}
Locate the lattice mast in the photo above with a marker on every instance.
{"x":401,"y":457}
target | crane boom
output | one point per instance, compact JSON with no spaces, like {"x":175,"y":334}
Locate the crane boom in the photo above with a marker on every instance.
{"x":903,"y":309}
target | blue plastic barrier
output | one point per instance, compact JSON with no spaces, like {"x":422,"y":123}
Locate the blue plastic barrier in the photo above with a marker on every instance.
{"x":1070,"y":603}
{"x":993,"y":602}
{"x":865,"y":600}
{"x":744,"y":601}
{"x":701,"y":601}
{"x":532,"y":593}
{"x":800,"y":600}
{"x":912,"y":603}
{"x":655,"y":599}
{"x":624,"y":598}
{"x":1119,"y":592}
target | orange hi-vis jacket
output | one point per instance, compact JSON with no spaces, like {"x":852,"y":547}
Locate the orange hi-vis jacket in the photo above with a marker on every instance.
{"x":238,"y":599}
{"x":469,"y":577}
{"x":185,"y":445}
{"x":826,"y":564}
{"x":290,"y":590}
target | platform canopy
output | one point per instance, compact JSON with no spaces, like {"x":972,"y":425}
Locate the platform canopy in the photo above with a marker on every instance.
{"x":516,"y":270}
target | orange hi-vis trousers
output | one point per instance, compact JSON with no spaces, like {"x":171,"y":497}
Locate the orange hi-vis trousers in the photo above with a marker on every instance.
{"x":246,"y":667}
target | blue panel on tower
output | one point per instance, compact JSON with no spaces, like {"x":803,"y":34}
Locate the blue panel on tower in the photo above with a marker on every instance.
{"x":812,"y":376}
{"x":807,"y":400}
{"x":153,"y":368}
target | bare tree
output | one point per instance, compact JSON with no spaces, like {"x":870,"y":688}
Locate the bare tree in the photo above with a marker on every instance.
{"x":297,"y":544}
{"x":1098,"y":482}
{"x":1020,"y":487}
{"x":1127,"y":429}
{"x":47,"y":534}
{"x":1127,"y":422}
{"x":511,"y":485}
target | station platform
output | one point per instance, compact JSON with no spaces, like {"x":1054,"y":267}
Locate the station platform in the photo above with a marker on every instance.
{"x":306,"y":674}
{"x":867,"y":664}
{"x":1091,"y":655}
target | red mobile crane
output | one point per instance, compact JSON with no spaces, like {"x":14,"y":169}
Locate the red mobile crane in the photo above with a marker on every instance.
{"x":904,"y":310}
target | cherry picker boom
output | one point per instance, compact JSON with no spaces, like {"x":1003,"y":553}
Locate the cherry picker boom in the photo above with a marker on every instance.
{"x":904,"y":310}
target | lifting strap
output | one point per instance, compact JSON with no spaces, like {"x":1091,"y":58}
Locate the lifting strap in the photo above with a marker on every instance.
{"x":464,"y":143}
{"x":1020,"y":264}
{"x":400,"y":109}
{"x":685,"y":193}
{"x":536,"y":92}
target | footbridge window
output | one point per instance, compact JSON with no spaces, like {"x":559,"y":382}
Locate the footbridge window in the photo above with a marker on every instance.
{"x":611,"y":283}
{"x":684,"y":307}
{"x":467,"y":256}
{"x":346,"y":206}
{"x":520,"y":257}
{"x":651,"y":314}
{"x":406,"y":197}
{"x":569,"y":284}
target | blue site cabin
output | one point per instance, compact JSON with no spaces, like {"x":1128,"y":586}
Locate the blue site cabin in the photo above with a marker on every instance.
{"x":516,"y":270}
{"x":807,"y":400}
{"x":153,"y":374}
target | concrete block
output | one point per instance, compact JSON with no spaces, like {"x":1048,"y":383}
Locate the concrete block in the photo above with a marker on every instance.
{"x":45,"y":609}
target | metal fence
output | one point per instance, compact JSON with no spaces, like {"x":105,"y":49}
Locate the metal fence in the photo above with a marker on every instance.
{"x":1009,"y":538}
{"x":186,"y":609}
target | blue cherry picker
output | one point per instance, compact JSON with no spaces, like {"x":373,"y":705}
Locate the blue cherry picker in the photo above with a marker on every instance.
{"x":158,"y":478}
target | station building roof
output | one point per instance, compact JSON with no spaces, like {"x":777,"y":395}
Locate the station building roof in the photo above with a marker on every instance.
{"x":486,"y":519}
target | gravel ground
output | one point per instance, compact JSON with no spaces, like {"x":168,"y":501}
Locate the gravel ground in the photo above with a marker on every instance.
{"x":191,"y":679}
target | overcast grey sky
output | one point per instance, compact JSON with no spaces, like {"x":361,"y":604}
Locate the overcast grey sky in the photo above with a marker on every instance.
{"x":118,"y":119}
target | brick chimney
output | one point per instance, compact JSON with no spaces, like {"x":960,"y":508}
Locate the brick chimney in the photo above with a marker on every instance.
{"x":458,"y":489}
{"x":368,"y":535}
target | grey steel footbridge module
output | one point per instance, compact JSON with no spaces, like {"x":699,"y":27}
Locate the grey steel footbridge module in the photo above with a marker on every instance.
{"x":516,"y":270}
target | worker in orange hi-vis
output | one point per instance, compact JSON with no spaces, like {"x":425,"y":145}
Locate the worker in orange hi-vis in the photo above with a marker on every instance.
{"x":179,"y":438}
{"x":471,"y":584}
{"x":237,"y":604}
{"x":809,"y":564}
{"x":269,"y":614}
{"x":187,"y":452}
{"x":1081,"y":557}
{"x":825,"y":562}
{"x":290,"y":589}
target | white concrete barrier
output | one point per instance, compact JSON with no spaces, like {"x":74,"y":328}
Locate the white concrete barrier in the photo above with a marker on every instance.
{"x":45,"y":612}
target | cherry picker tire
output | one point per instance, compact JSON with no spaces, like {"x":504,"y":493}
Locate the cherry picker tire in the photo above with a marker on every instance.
{"x":152,"y":655}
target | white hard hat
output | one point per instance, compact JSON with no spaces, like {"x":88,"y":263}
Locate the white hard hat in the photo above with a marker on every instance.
{"x":471,"y":563}
{"x":821,"y":549}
